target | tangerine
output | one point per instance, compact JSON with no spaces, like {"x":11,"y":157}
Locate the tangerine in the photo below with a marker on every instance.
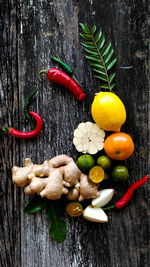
{"x":119,"y":146}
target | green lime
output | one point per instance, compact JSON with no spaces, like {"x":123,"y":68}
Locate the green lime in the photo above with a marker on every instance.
{"x":105,"y":162}
{"x":120,"y":173}
{"x":85,"y":162}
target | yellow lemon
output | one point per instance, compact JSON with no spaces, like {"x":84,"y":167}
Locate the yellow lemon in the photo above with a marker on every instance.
{"x":108,"y":111}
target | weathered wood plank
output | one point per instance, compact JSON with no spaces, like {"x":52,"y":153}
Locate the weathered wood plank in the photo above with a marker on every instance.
{"x":31,"y":32}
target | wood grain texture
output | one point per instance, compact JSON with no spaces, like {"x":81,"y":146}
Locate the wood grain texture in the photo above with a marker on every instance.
{"x":32,"y":31}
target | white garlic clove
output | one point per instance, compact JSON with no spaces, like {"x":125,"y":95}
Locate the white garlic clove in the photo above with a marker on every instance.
{"x":104,"y":197}
{"x":95,"y":214}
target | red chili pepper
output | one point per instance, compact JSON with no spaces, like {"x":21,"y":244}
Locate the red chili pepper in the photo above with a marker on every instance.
{"x":59,"y":77}
{"x":124,"y":200}
{"x":128,"y":195}
{"x":26,"y":135}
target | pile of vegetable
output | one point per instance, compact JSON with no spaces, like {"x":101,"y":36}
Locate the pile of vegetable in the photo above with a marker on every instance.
{"x":101,"y":145}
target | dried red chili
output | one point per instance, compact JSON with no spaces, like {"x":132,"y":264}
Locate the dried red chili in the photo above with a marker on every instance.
{"x":59,"y":77}
{"x":26,"y":135}
{"x":128,"y":195}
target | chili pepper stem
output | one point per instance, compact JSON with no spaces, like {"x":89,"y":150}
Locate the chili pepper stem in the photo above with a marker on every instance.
{"x":110,"y":207}
{"x":5,"y":129}
{"x":27,"y":103}
{"x":40,"y":72}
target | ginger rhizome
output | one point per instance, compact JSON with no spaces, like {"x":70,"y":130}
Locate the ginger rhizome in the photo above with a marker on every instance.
{"x":55,"y":177}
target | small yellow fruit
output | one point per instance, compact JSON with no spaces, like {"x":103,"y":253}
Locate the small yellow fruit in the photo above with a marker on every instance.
{"x":108,"y":111}
{"x":96,"y":174}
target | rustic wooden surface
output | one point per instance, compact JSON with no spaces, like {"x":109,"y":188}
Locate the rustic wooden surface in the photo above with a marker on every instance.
{"x":32,"y":31}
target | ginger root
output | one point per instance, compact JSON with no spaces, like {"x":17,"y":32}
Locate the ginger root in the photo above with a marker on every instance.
{"x":55,"y":177}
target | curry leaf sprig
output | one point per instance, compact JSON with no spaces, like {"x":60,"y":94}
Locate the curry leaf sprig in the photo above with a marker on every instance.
{"x":99,"y":55}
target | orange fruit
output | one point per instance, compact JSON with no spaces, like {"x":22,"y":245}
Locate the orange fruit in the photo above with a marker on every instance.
{"x":74,"y":209}
{"x":119,"y":146}
{"x":96,"y":174}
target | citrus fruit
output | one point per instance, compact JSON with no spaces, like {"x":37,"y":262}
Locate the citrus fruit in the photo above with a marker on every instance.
{"x":108,"y":111}
{"x":120,"y":173}
{"x":105,"y":162}
{"x":119,"y":146}
{"x":74,"y":209}
{"x":96,"y":174}
{"x":85,"y":162}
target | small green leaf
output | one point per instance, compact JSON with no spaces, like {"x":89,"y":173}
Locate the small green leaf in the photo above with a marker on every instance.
{"x":58,"y":230}
{"x":111,"y":64}
{"x":93,"y":58}
{"x":101,"y":77}
{"x":36,"y":204}
{"x":111,"y":77}
{"x":100,"y":71}
{"x":106,"y":49}
{"x":93,"y":30}
{"x":105,"y":86}
{"x":101,"y":42}
{"x":98,"y":36}
{"x":108,"y":57}
{"x":86,"y":36}
{"x":112,"y":86}
{"x":88,"y":45}
{"x":84,"y":28}
{"x":91,"y":51}
{"x":100,"y":66}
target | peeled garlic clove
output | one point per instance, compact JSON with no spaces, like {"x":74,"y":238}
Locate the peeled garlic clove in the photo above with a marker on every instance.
{"x":76,"y":141}
{"x":78,"y":133}
{"x":94,"y":214}
{"x":82,"y":128}
{"x":105,"y":196}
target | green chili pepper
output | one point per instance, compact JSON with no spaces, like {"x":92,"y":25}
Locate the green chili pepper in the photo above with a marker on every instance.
{"x":28,"y":102}
{"x":65,"y":67}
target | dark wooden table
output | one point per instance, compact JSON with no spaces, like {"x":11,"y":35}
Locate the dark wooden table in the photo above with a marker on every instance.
{"x":32,"y":31}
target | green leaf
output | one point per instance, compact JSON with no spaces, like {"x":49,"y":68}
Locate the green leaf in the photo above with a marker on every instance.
{"x":36,"y":204}
{"x":100,"y":71}
{"x":105,"y":86}
{"x":96,"y":65}
{"x":58,"y":230}
{"x":86,"y":36}
{"x":53,"y":209}
{"x":106,"y":49}
{"x":84,"y":28}
{"x":91,"y":51}
{"x":111,"y":64}
{"x":108,"y":57}
{"x":93,"y":30}
{"x":101,"y":42}
{"x":111,"y":77}
{"x":88,"y":45}
{"x":101,"y":77}
{"x":112,"y":86}
{"x":93,"y":58}
{"x":98,"y":36}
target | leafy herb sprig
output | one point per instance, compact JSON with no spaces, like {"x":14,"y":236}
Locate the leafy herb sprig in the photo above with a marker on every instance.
{"x":99,"y":55}
{"x":58,"y":229}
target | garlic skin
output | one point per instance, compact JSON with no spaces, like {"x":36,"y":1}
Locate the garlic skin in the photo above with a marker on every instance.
{"x":94,"y":214}
{"x":104,"y":197}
